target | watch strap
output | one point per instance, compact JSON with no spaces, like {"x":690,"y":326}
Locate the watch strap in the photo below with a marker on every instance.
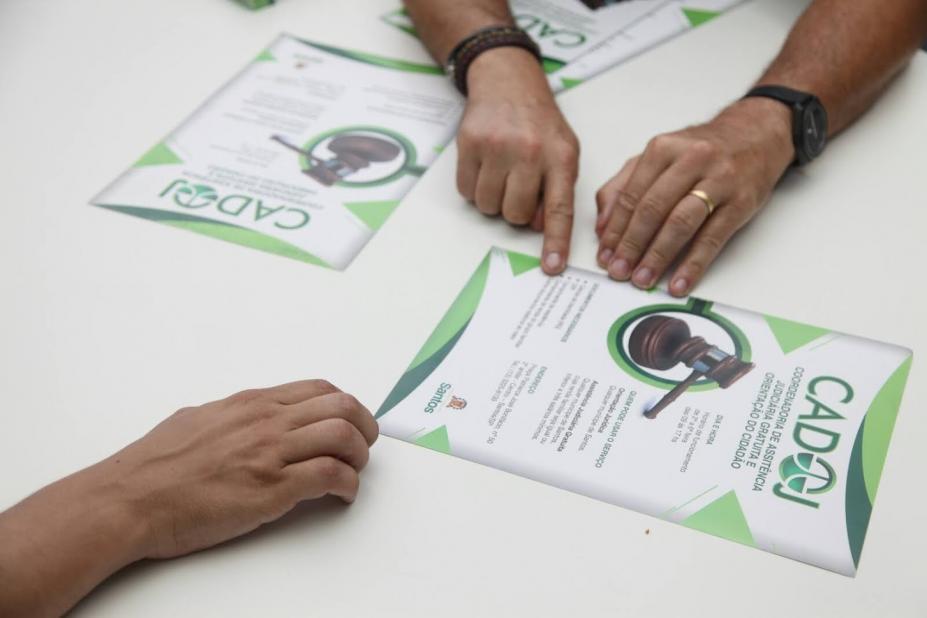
{"x":780,"y":93}
{"x":467,"y":50}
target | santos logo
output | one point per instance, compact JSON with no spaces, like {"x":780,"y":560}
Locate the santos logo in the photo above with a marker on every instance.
{"x":195,"y":197}
{"x":808,"y":473}
{"x":437,"y":398}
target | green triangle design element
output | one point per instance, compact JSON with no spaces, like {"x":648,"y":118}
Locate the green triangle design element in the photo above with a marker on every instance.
{"x":793,"y":335}
{"x":436,"y":440}
{"x":374,"y":214}
{"x":697,"y":17}
{"x":522,"y":263}
{"x":570,"y":83}
{"x":160,"y":154}
{"x":550,"y":65}
{"x":265,"y":56}
{"x":723,"y":518}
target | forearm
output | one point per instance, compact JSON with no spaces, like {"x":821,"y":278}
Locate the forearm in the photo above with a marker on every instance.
{"x":846,"y":52}
{"x":441,"y":24}
{"x":61,"y":542}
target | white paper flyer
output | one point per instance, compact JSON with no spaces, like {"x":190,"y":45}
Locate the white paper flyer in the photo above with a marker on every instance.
{"x":761,"y":430}
{"x":581,"y":38}
{"x":304,"y":154}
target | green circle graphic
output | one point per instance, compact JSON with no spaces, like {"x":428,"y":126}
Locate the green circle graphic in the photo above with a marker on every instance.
{"x":695,"y":306}
{"x":405,"y":143}
{"x":806,"y":473}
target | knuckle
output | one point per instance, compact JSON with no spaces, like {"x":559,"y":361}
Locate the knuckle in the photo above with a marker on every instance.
{"x":496,"y":143}
{"x":631,"y":246}
{"x":560,"y":208}
{"x":659,"y":144}
{"x":626,"y":201}
{"x":726,"y":169}
{"x":247,"y":396}
{"x":468,"y":137}
{"x":263,"y":472}
{"x":329,"y":469}
{"x":609,"y":239}
{"x":346,"y":403}
{"x":702,"y":149}
{"x":259,"y":411}
{"x":659,"y":256}
{"x":325,"y":386}
{"x":650,"y":210}
{"x":711,"y":243}
{"x":530,"y":147}
{"x":519,"y":216}
{"x":341,"y":430}
{"x":682,"y":222}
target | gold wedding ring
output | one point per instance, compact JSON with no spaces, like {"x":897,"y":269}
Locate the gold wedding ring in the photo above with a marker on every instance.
{"x":709,"y":204}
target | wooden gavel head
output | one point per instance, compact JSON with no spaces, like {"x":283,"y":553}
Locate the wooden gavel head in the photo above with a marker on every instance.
{"x":661,"y":342}
{"x":352,"y":153}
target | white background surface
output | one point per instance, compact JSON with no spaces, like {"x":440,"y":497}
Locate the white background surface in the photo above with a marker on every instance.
{"x":108,"y":323}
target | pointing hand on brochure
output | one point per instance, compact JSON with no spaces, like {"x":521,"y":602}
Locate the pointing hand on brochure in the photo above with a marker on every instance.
{"x":517,"y":156}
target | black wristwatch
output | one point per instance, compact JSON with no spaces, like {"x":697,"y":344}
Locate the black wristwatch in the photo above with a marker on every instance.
{"x":809,"y":119}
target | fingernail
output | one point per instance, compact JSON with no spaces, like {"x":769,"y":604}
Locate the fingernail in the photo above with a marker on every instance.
{"x":619,"y":269}
{"x":643,"y":277}
{"x":552,"y":261}
{"x":679,"y":286}
{"x":605,"y":256}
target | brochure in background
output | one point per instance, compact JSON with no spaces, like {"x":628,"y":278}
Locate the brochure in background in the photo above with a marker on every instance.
{"x":761,"y":430}
{"x":582,"y":38}
{"x":304,"y":154}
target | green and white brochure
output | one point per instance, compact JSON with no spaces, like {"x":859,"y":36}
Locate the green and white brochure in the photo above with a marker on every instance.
{"x":304,"y":154}
{"x":582,"y":38}
{"x":662,"y":21}
{"x":776,"y":437}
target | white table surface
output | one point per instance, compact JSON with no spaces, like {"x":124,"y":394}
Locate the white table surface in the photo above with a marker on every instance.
{"x":108,"y":323}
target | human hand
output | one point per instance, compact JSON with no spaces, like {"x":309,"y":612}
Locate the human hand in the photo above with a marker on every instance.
{"x":204,"y":475}
{"x":647,"y":216}
{"x":214,"y":472}
{"x":517,"y":156}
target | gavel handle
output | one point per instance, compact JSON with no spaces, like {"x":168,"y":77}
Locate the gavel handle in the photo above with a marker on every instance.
{"x":674,"y":394}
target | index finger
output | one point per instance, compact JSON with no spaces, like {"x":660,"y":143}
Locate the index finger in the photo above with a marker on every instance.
{"x":558,"y":222}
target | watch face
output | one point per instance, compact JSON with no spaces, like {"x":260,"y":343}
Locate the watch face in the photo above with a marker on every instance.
{"x":814,"y":128}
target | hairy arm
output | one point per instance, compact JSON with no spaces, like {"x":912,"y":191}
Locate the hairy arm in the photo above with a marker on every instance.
{"x":845,"y":52}
{"x":442,"y":23}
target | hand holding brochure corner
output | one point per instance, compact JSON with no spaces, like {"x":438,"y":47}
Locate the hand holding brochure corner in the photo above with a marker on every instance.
{"x":776,"y":437}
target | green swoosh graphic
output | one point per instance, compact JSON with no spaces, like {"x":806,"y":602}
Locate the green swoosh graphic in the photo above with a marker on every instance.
{"x":223,"y":231}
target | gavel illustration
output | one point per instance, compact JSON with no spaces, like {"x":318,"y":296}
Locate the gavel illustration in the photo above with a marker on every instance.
{"x":352,"y":153}
{"x":661,"y":342}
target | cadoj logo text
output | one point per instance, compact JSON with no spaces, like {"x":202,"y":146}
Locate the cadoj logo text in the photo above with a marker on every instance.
{"x":242,"y":207}
{"x":807,"y":474}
